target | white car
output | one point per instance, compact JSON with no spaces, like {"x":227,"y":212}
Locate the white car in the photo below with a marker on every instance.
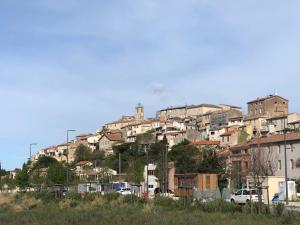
{"x":244,"y":196}
{"x":125,"y":191}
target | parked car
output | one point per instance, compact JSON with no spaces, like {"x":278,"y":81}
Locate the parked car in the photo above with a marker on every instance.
{"x":125,"y":191}
{"x":244,"y":196}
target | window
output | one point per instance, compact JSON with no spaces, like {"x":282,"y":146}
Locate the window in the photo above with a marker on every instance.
{"x":228,"y":139}
{"x":239,"y":192}
{"x":151,"y":186}
{"x":279,"y":164}
{"x":236,"y":152}
{"x":223,"y":139}
{"x":292,"y":147}
{"x":151,"y":172}
{"x":292,"y":164}
{"x":245,"y":192}
{"x":279,"y":149}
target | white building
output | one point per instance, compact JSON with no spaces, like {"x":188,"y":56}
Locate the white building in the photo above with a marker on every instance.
{"x":152,"y":179}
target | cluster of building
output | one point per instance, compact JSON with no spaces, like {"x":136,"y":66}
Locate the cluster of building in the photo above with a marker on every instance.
{"x":268,"y":125}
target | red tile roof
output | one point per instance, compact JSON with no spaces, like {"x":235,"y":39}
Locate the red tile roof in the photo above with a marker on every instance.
{"x":113,"y":137}
{"x":275,"y":138}
{"x":82,"y":163}
{"x":268,"y":140}
{"x":205,"y":142}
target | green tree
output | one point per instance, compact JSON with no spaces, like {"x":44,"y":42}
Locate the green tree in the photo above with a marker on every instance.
{"x":22,"y":177}
{"x":57,"y":173}
{"x":134,"y":172}
{"x":186,"y":157}
{"x":44,"y":162}
{"x":210,"y":162}
{"x":82,"y":153}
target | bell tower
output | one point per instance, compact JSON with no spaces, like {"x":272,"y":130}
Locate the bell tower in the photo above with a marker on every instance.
{"x":139,"y":112}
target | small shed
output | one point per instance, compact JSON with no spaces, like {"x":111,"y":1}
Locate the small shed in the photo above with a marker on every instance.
{"x":185,"y":184}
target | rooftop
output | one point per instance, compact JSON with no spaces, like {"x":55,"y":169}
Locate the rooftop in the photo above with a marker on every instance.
{"x":267,"y":97}
{"x":206,"y":142}
{"x":191,"y":107}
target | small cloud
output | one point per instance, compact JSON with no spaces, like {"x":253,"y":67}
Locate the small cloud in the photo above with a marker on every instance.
{"x":158,"y":88}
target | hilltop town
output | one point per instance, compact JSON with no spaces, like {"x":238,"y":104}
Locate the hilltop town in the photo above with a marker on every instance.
{"x":234,"y":137}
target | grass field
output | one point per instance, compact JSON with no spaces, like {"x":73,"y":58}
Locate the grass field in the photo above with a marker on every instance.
{"x":117,"y":211}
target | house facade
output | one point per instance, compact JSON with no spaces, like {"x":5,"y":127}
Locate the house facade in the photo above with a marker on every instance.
{"x":270,"y":106}
{"x":107,"y":141}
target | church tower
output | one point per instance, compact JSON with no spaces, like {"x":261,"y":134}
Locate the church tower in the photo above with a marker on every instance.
{"x":139,"y":112}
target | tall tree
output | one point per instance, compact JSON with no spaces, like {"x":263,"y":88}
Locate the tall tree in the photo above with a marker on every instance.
{"x":210,"y":162}
{"x":22,"y":177}
{"x":44,"y":162}
{"x":186,"y":157}
{"x":57,"y":173}
{"x":82,"y":153}
{"x":134,"y":172}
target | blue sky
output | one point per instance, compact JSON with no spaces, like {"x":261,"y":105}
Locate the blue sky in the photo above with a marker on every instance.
{"x":78,"y":64}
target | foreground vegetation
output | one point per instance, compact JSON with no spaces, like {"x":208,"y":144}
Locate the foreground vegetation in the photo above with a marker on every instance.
{"x":43,"y":209}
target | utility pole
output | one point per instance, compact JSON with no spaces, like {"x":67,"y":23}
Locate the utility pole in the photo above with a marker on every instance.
{"x":285,"y":118}
{"x":120,"y":163}
{"x":147,"y":154}
{"x":67,"y":183}
{"x":285,"y":165}
{"x":163,"y":171}
{"x":166,"y":169}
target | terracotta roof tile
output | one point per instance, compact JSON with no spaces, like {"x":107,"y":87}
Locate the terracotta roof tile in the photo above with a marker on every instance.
{"x":205,"y":142}
{"x":113,"y":137}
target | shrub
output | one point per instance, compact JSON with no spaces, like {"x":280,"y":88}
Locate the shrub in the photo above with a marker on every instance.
{"x":110,"y":196}
{"x":255,"y":207}
{"x":74,"y":196}
{"x":68,"y":203}
{"x":90,"y":197}
{"x":25,"y":202}
{"x":164,"y":201}
{"x":288,"y":218}
{"x":44,"y":196}
{"x":134,"y":199}
{"x":278,"y":209}
{"x":221,"y":205}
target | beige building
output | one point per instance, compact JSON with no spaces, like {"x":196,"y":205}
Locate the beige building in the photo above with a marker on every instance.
{"x":127,"y":120}
{"x":270,"y":106}
{"x":186,"y":111}
{"x":107,"y":141}
{"x":272,"y":148}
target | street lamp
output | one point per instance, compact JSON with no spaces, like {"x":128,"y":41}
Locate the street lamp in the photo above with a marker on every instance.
{"x":285,"y":157}
{"x":68,"y":131}
{"x":32,"y":144}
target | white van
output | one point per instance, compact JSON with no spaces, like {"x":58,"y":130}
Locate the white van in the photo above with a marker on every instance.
{"x":244,"y":196}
